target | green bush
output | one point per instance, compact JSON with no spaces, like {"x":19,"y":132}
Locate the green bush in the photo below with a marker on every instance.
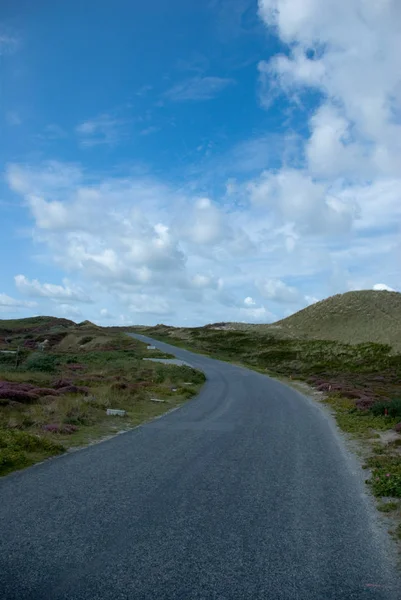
{"x":386,"y":475}
{"x":39,"y":361}
{"x":386,"y":484}
{"x":85,"y":340}
{"x":7,"y":360}
{"x":393,"y":407}
{"x":17,"y":449}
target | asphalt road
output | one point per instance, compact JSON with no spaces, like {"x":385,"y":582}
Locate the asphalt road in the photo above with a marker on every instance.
{"x":246,"y":492}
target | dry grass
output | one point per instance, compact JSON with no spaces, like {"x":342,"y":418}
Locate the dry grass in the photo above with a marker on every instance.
{"x":354,"y":317}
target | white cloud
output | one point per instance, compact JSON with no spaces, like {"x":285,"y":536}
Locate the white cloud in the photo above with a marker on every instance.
{"x":206,"y":225}
{"x":249,"y":301}
{"x":292,"y":196}
{"x":198,"y":88}
{"x":383,"y":287}
{"x":36,"y":289}
{"x":347,"y":179}
{"x":278,"y":291}
{"x":136,"y":242}
{"x":52,"y":177}
{"x":8,"y":302}
{"x":103,"y":129}
{"x":360,"y":82}
{"x":257,"y":315}
{"x":148,"y":304}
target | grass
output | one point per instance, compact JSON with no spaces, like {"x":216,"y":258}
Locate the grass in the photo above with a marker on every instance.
{"x":19,"y":449}
{"x":82,"y":384}
{"x":388,"y":507}
{"x":359,"y":423}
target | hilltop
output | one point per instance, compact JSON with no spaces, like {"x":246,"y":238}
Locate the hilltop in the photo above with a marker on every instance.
{"x":33,"y":324}
{"x":353,"y":317}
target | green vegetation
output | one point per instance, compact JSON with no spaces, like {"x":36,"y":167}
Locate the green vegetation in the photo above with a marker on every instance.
{"x":388,"y":507}
{"x":33,"y":323}
{"x":57,"y":398}
{"x":391,"y":407}
{"x":386,"y":474}
{"x":39,"y":361}
{"x":20,"y":449}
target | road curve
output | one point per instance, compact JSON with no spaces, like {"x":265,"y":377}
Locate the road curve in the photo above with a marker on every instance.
{"x":245,"y":492}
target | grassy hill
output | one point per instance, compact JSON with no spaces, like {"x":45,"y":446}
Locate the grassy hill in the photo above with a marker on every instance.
{"x":354,"y":317}
{"x":33,"y":324}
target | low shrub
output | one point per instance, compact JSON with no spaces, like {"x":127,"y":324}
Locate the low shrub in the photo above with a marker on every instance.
{"x":365,"y":403}
{"x":74,"y":389}
{"x":78,"y":415}
{"x":85,"y":340}
{"x":18,"y":392}
{"x":18,"y":449}
{"x":393,"y":408}
{"x":386,"y":475}
{"x":7,"y":360}
{"x":386,"y":484}
{"x":63,"y":428}
{"x":61,"y":383}
{"x":41,"y":362}
{"x":388,"y":507}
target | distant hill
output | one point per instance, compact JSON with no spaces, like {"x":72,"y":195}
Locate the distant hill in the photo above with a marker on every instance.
{"x":33,"y":324}
{"x":88,"y":324}
{"x":353,"y":317}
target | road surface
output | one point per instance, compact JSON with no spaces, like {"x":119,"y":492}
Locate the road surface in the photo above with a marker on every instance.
{"x":245,"y":492}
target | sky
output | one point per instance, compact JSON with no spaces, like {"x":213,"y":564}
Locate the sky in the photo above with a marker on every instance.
{"x":195,"y":162}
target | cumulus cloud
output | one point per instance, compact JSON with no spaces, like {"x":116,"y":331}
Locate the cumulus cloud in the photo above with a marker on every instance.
{"x":248,"y":301}
{"x":293,"y":196}
{"x":62,"y":293}
{"x":383,"y":287}
{"x":360,"y":83}
{"x":206,"y":225}
{"x":278,"y":291}
{"x":257,"y":315}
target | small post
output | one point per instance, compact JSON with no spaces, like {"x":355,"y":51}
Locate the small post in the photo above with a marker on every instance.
{"x":17,"y":358}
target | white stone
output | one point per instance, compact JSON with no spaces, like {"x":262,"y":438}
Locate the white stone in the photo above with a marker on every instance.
{"x":116,"y":411}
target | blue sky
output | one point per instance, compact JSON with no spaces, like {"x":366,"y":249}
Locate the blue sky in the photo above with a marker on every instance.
{"x":196,"y":162}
